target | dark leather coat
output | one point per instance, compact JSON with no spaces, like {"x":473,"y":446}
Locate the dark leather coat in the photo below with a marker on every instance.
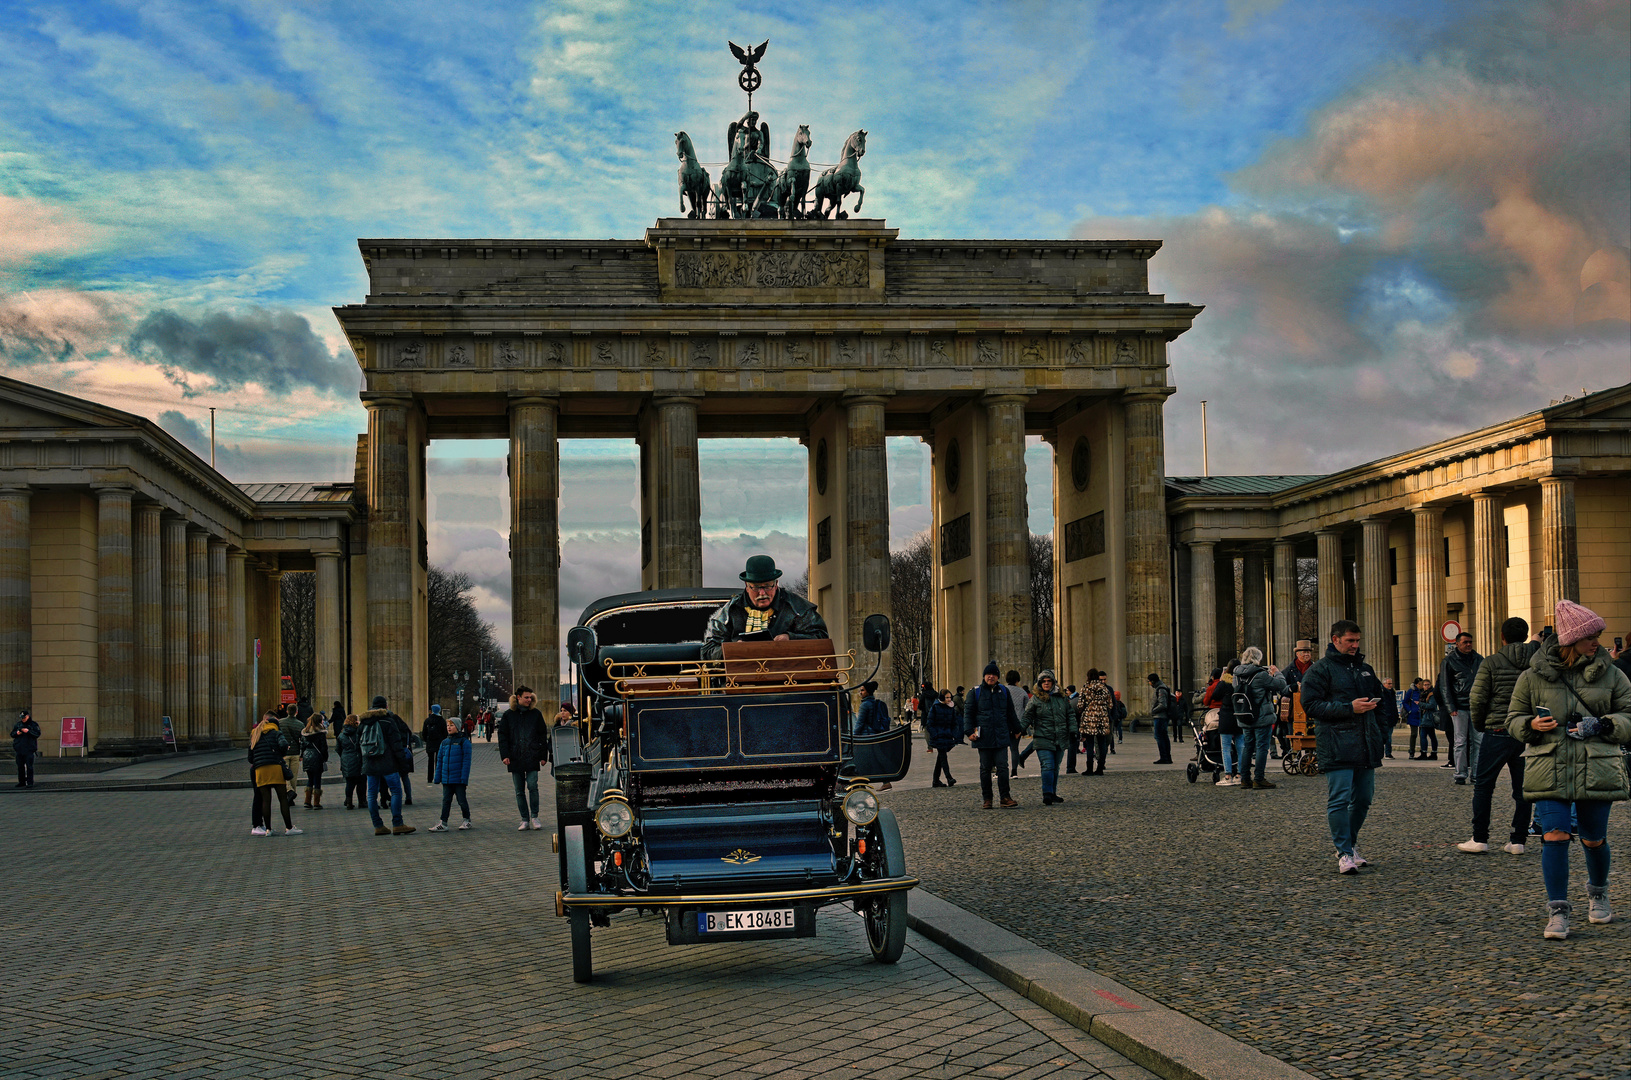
{"x":794,"y":616}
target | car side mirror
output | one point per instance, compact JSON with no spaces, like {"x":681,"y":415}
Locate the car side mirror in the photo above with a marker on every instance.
{"x":582,"y":645}
{"x":875,"y":633}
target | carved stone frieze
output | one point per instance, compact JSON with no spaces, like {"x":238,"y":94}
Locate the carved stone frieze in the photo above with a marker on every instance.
{"x":506,"y":355}
{"x":771,"y":270}
{"x":410,"y":354}
{"x":459,"y":356}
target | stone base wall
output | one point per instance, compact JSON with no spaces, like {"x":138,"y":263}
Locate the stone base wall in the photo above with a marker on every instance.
{"x":65,"y":614}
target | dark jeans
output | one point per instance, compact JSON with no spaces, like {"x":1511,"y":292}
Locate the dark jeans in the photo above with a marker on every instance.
{"x":994,"y":758}
{"x":25,"y":769}
{"x":377,"y":784}
{"x":430,"y":765}
{"x":526,"y":784}
{"x":314,"y":778}
{"x":1096,"y":747}
{"x":449,"y":793}
{"x":1499,"y":752}
{"x":265,"y":795}
{"x":1015,"y":759}
{"x":940,"y":767}
{"x":1161,"y":742}
{"x":359,"y":785}
{"x":407,"y":785}
{"x":1257,"y":751}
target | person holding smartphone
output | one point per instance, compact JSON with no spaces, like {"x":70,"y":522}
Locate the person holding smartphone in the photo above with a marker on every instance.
{"x":1572,"y":710}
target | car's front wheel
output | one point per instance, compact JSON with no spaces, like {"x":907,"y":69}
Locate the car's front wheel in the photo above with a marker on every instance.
{"x":885,"y":915}
{"x":577,"y":881}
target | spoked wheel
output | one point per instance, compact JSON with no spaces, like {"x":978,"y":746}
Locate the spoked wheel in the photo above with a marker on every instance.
{"x":1194,"y":771}
{"x":1311,"y":763}
{"x":577,"y":881}
{"x":885,"y":915}
{"x":1289,"y":762}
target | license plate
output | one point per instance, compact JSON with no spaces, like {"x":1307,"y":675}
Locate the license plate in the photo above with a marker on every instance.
{"x":730,"y":922}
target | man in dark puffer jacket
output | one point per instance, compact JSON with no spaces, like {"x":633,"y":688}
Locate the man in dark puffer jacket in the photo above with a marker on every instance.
{"x":989,"y":716}
{"x":1344,"y":697}
{"x":1489,"y":699}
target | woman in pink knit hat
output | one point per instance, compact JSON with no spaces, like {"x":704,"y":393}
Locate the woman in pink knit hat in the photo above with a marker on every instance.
{"x":1572,"y":709}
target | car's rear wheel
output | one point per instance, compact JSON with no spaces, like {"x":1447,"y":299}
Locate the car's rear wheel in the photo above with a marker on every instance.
{"x":577,"y":881}
{"x":885,"y":915}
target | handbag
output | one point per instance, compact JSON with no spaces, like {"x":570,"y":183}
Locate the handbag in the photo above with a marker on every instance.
{"x":1283,"y":709}
{"x":288,"y":773}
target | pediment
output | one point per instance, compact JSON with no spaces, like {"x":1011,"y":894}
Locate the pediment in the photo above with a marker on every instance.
{"x":32,"y":407}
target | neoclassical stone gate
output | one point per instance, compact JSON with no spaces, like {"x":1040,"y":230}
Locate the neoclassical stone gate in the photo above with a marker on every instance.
{"x":834,"y":332}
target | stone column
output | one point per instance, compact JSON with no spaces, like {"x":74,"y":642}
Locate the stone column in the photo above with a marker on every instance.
{"x":116,"y":620}
{"x":534,"y":544}
{"x":148,"y":574}
{"x":1559,"y":553}
{"x":220,"y":617}
{"x":1254,"y":599}
{"x":1429,"y":590}
{"x":330,"y":673}
{"x":238,"y":647}
{"x":1226,"y":644}
{"x":1331,"y":600}
{"x":1007,"y":536}
{"x":390,"y":555}
{"x":1378,"y":597}
{"x":676,"y":493}
{"x":1488,"y":570}
{"x":173,"y":554}
{"x":199,"y":724}
{"x":272,"y":646}
{"x":16,"y":601}
{"x":1149,"y":615}
{"x":866,"y":506}
{"x":1203,"y":607}
{"x":1285,"y":602}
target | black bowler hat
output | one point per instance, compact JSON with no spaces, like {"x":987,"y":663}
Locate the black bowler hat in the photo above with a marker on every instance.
{"x":761,"y":568}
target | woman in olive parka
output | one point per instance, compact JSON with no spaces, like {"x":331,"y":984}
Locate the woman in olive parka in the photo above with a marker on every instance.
{"x":1572,"y":709}
{"x":1049,"y":720}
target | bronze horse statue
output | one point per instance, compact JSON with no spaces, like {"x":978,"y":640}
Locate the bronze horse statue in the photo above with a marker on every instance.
{"x":842,"y":179}
{"x":694,"y":184}
{"x":793,"y":182}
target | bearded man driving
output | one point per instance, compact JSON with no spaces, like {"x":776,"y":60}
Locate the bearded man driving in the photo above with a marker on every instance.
{"x":762,"y":611}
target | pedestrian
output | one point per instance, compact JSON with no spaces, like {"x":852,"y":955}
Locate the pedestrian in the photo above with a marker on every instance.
{"x":1429,"y":721}
{"x":291,"y":725}
{"x":384,"y":748}
{"x":1572,"y":707}
{"x":1259,"y":686}
{"x":469,"y":725}
{"x":25,"y":746}
{"x":1302,"y":659}
{"x":1343,"y":696}
{"x":1621,"y":656}
{"x":990,"y":721}
{"x":314,"y":759}
{"x":1049,"y":720}
{"x":1162,"y":704}
{"x":351,"y":761}
{"x":268,"y":752}
{"x":957,"y":700}
{"x":872,"y":717}
{"x":1021,"y":697}
{"x":523,"y":746}
{"x":453,"y":754}
{"x":409,"y":741}
{"x":433,"y":732}
{"x":1489,"y":703}
{"x":1455,"y":678}
{"x":1093,"y":714}
{"x":1412,"y":716}
{"x":943,"y":731}
{"x":1118,"y":711}
{"x":1231,"y":738}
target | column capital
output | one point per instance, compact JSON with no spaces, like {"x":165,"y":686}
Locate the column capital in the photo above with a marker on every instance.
{"x":1329,"y":530}
{"x":1147,"y":395}
{"x":1425,"y":509}
{"x":217,"y":542}
{"x":335,"y":555}
{"x":1016,"y":396}
{"x":377,"y":399}
{"x":1488,"y":496}
{"x":552,"y":398}
{"x":1197,"y":544}
{"x":867,"y":397}
{"x":1285,"y":542}
{"x":114,"y":488}
{"x":238,"y":553}
{"x":11,"y":488}
{"x":677,"y":397}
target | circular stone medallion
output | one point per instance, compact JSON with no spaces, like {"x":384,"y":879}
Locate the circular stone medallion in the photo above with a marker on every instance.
{"x":1081,"y":459}
{"x":821,"y":467}
{"x":954,"y":466}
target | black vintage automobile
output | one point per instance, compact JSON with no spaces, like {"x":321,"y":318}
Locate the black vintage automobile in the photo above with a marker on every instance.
{"x":726,"y":795}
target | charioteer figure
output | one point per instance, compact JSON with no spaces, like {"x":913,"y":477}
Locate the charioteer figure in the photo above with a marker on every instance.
{"x":762,"y":611}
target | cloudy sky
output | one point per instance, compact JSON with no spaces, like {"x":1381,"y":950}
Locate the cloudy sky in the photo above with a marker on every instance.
{"x":1411,"y":212}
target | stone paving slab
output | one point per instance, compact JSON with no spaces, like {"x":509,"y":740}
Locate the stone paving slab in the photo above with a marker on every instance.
{"x":163,"y":940}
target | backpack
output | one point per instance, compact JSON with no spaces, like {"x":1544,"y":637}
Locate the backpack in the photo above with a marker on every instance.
{"x":372,"y":741}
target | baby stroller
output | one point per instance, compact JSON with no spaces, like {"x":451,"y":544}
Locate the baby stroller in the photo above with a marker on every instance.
{"x":1208,"y":752}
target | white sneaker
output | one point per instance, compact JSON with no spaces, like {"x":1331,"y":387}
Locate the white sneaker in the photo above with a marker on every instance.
{"x":465,"y":826}
{"x":1472,"y":847}
{"x":1234,"y":781}
{"x":524,"y":826}
{"x":440,"y":826}
{"x":297,"y":831}
{"x":1346,"y":865}
{"x":258,"y":831}
{"x":1360,"y":860}
{"x":1222,"y":781}
{"x":537,"y":824}
{"x":1514,"y":849}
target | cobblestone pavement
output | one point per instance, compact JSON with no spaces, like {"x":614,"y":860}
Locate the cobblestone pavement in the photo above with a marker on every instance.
{"x":1225,"y":904}
{"x":151,"y":935}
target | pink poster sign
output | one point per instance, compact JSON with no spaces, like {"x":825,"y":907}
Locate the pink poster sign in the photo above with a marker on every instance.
{"x":73,"y":732}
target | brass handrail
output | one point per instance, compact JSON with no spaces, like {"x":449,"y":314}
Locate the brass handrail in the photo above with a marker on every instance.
{"x":717,"y":676}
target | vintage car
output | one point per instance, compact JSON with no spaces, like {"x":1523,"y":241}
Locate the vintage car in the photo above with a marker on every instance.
{"x":726,"y":795}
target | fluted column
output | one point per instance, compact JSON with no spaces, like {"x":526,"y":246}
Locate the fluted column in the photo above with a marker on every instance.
{"x":1254,"y":599}
{"x":173,"y":554}
{"x":1285,"y":601}
{"x":1559,"y":553}
{"x":1226,"y":641}
{"x":272,"y":647}
{"x":330,"y":673}
{"x":534,"y":544}
{"x":148,"y":579}
{"x":238,"y":647}
{"x":390,"y":554}
{"x":866,"y":508}
{"x":1429,"y":590}
{"x":116,"y":620}
{"x":198,"y":635}
{"x":1378,"y":605}
{"x":1488,"y":570}
{"x":676,"y":493}
{"x":220,"y":620}
{"x":1008,"y":536}
{"x":16,"y":601}
{"x":1149,"y":595}
{"x":1203,"y":608}
{"x":1331,"y":600}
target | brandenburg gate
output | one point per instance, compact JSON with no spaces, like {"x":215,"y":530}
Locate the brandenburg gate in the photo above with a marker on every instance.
{"x":836,"y":332}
